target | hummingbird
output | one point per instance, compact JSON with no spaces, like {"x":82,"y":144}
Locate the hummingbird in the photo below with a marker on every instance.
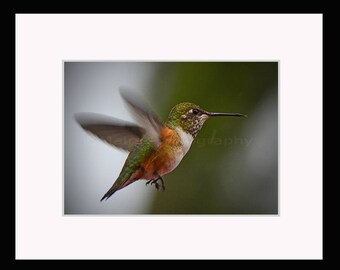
{"x":155,"y":148}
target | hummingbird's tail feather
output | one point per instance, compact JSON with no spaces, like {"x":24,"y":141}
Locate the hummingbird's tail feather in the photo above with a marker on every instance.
{"x":120,"y":183}
{"x":132,"y":169}
{"x":110,"y":192}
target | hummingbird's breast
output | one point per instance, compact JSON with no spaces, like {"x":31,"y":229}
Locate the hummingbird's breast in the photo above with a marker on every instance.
{"x":175,"y":143}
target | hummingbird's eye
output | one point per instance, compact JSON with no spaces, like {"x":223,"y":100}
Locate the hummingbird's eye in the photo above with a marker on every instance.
{"x":195,"y":111}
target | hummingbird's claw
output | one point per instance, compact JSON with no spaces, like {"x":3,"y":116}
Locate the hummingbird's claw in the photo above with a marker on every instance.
{"x":156,"y":185}
{"x":163,"y":186}
{"x":148,"y":182}
{"x":155,"y":181}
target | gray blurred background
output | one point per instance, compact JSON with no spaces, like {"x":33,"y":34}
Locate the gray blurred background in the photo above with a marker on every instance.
{"x":232,"y":166}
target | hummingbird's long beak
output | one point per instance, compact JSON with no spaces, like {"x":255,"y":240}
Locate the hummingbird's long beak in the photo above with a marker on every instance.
{"x":225,"y":114}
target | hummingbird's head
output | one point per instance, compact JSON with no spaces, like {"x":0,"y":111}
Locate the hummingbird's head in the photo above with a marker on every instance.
{"x":191,"y":117}
{"x":188,"y":116}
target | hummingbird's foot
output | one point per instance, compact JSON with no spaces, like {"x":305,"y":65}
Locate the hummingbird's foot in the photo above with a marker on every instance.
{"x":157,"y":185}
{"x":162,"y":182}
{"x":148,"y":182}
{"x":153,"y":181}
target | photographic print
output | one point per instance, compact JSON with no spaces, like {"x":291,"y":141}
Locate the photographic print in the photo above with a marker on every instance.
{"x":170,"y":128}
{"x":170,"y":138}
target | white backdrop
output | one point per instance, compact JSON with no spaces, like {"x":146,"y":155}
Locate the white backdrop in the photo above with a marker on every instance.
{"x":44,"y":41}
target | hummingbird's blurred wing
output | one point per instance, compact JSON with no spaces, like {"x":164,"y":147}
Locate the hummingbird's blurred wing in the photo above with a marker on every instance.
{"x":144,"y":116}
{"x":116,"y":132}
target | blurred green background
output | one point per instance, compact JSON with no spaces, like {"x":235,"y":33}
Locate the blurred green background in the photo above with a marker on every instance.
{"x":232,"y":167}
